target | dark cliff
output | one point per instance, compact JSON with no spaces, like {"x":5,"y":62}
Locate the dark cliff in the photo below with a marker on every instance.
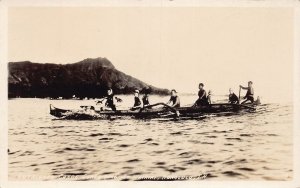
{"x":88,"y":78}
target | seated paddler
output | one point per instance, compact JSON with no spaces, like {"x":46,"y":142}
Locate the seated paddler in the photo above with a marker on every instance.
{"x":202,"y":97}
{"x":209,"y":97}
{"x":174,"y":99}
{"x":145,"y":98}
{"x":137,"y":101}
{"x":232,"y":98}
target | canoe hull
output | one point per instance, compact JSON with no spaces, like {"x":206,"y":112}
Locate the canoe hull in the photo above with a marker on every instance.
{"x":152,"y":112}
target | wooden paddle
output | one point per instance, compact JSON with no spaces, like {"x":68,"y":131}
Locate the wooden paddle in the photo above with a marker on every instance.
{"x":240,"y":94}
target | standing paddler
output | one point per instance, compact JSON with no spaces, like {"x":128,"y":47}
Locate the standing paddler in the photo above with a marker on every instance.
{"x":250,"y":93}
{"x":110,"y":100}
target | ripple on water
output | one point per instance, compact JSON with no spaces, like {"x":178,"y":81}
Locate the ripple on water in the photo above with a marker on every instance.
{"x":148,"y":139}
{"x":247,"y":135}
{"x":246,"y":169}
{"x":176,"y":133}
{"x":74,"y":149}
{"x":211,"y":136}
{"x":115,"y":134}
{"x":105,"y":138}
{"x":153,"y":144}
{"x":160,"y":151}
{"x":187,"y":154}
{"x":210,"y":143}
{"x":194,"y":161}
{"x":179,"y":147}
{"x":238,"y":139}
{"x":231,"y":173}
{"x":124,"y":145}
{"x":133,"y":161}
{"x":48,"y":163}
{"x":26,"y":153}
{"x":96,"y":134}
{"x":107,"y":173}
{"x":235,"y":162}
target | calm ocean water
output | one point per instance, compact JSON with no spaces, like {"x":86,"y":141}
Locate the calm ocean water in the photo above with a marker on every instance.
{"x":252,"y":146}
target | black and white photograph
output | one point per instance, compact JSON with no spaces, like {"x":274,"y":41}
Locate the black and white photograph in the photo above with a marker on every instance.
{"x":157,"y":92}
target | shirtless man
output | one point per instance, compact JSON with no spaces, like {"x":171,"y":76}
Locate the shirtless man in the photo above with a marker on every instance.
{"x":250,"y":93}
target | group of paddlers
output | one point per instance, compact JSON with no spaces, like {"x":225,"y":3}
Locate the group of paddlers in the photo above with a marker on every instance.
{"x":204,"y":98}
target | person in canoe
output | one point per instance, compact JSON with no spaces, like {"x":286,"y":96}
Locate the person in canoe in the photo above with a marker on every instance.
{"x":202,"y":100}
{"x":250,"y":93}
{"x":174,"y":99}
{"x":232,"y":98}
{"x":145,"y":98}
{"x":110,"y":100}
{"x":209,"y":96}
{"x":137,"y":101}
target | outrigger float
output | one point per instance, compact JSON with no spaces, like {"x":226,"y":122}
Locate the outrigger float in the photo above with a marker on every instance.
{"x":158,"y":110}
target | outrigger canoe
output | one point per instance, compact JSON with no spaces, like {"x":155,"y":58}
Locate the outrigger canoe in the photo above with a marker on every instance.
{"x":88,"y":112}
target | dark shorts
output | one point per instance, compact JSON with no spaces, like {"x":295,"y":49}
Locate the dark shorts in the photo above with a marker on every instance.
{"x":249,"y":98}
{"x":201,"y":102}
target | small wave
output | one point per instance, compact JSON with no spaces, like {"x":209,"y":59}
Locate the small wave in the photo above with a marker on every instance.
{"x":42,"y":134}
{"x":209,"y":175}
{"x":211,"y":136}
{"x":11,"y":153}
{"x":26,"y":153}
{"x":74,"y":149}
{"x":246,"y":169}
{"x":211,"y":143}
{"x":96,"y":134}
{"x":105,"y":138}
{"x":246,"y":135}
{"x":161,"y":151}
{"x":194,"y":161}
{"x":236,"y":161}
{"x":231,"y":173}
{"x":271,"y":134}
{"x":239,"y":139}
{"x":187,"y":154}
{"x":133,"y":160}
{"x":194,"y":141}
{"x":153,"y":144}
{"x":48,"y":163}
{"x":213,"y":162}
{"x":75,"y":174}
{"x":115,"y":134}
{"x":175,"y":169}
{"x":124,"y":145}
{"x":176,"y":133}
{"x":107,"y":173}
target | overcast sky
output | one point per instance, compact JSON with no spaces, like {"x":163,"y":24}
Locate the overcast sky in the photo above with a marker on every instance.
{"x":166,"y":47}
